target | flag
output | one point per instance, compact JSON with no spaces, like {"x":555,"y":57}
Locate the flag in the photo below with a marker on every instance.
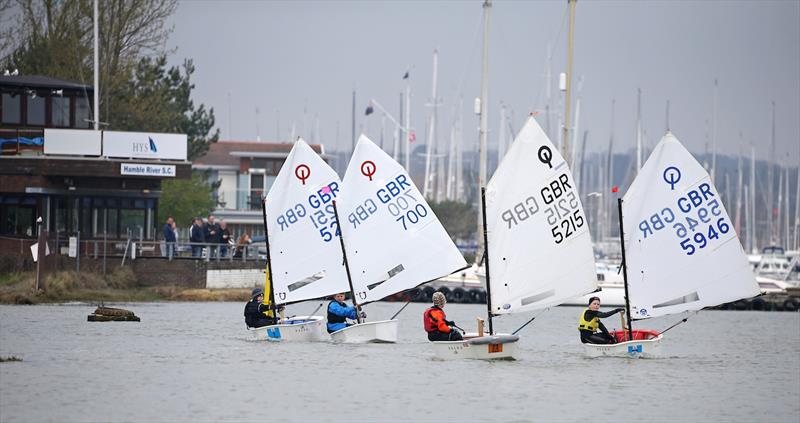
{"x":412,"y":136}
{"x":406,"y":75}
{"x":615,"y":189}
{"x":369,"y":110}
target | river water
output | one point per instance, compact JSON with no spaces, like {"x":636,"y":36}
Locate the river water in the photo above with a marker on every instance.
{"x":193,"y":362}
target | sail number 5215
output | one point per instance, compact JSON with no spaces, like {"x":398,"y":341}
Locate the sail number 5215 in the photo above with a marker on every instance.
{"x":567,"y":227}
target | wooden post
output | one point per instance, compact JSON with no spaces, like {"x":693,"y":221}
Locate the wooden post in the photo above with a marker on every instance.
{"x":622,"y":324}
{"x":480,"y":326}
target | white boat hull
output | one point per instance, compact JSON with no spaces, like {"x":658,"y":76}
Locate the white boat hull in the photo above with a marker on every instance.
{"x":489,"y":347}
{"x":641,"y":348}
{"x":383,"y":331}
{"x":296,"y":329}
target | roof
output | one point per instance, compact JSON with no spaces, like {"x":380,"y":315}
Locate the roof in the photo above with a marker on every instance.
{"x":229,"y":153}
{"x":38,"y":81}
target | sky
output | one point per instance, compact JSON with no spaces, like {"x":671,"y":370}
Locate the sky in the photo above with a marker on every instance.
{"x":266,"y":67}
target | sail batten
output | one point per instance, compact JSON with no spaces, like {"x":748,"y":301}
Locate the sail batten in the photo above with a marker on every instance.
{"x":394,"y":241}
{"x":306,"y":261}
{"x":682,"y":251}
{"x":539,"y":244}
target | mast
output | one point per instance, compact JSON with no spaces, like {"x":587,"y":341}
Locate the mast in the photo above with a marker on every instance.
{"x":738,"y":221}
{"x":484,"y":123}
{"x":96,"y":69}
{"x":501,"y":135}
{"x":609,"y":176}
{"x":714,"y":136}
{"x":638,"y":129}
{"x":269,"y":259}
{"x":624,"y":271}
{"x":486,"y":252}
{"x":752,"y":203}
{"x":667,"y":121}
{"x":570,"y":44}
{"x":748,"y":218}
{"x":427,"y":188}
{"x":347,"y":265}
{"x":770,"y":181}
{"x":797,"y":210}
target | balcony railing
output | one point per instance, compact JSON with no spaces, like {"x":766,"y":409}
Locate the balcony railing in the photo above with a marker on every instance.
{"x":15,"y":142}
{"x":239,"y":199}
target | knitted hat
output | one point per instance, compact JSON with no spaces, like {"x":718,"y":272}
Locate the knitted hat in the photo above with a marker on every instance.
{"x":256,"y":292}
{"x":439,"y":299}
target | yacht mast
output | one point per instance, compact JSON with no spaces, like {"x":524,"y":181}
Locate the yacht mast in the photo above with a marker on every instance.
{"x":570,"y":43}
{"x":430,"y":149}
{"x":714,"y":136}
{"x":96,"y":69}
{"x":484,"y":103}
{"x":752,"y":204}
{"x":638,"y":129}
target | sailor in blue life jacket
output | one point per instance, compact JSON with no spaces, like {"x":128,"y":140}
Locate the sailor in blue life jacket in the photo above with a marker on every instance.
{"x":339,"y":312}
{"x":590,"y":323}
{"x":254,"y":311}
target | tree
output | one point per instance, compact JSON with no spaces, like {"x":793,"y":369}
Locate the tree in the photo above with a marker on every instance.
{"x":459,"y":219}
{"x":185,"y":199}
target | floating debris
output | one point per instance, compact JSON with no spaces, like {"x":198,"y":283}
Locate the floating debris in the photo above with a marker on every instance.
{"x":110,"y":314}
{"x":10,"y":358}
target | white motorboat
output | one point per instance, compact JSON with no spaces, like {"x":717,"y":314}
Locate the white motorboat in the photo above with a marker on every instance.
{"x":382,"y":331}
{"x":488,"y":347}
{"x":295,"y":329}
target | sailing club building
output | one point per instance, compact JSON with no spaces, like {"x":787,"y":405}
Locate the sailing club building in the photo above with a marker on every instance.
{"x":95,"y":183}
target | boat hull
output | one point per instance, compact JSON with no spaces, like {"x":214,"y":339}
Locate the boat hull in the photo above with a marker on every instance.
{"x":645,"y":344}
{"x":296,"y":329}
{"x":383,"y":331}
{"x":489,"y":347}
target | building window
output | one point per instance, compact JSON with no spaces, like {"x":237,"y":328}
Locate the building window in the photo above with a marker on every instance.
{"x":18,"y":220}
{"x":60,"y":111}
{"x":11,"y":108}
{"x":35,"y":110}
{"x":82,"y":113}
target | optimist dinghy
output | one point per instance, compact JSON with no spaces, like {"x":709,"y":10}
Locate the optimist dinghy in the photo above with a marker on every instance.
{"x":538,"y":247}
{"x":303,"y":257}
{"x":680,"y":250}
{"x":390,"y":239}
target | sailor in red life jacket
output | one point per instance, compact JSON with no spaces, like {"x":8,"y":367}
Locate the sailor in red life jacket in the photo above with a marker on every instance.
{"x":436,"y":323}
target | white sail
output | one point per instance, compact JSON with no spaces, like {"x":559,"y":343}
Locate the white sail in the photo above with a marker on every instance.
{"x":682,"y":252}
{"x":393,"y":240}
{"x":540,"y":250}
{"x":304,"y":250}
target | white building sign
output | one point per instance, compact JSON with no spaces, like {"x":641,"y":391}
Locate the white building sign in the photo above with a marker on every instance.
{"x":72,"y":142}
{"x":144,"y":145}
{"x":140,"y":169}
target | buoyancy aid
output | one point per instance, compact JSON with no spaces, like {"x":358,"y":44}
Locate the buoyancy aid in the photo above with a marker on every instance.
{"x":434,"y":320}
{"x":335,"y":318}
{"x":591,"y":325}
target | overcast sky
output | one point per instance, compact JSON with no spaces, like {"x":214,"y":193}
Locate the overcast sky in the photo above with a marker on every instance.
{"x":287,"y":57}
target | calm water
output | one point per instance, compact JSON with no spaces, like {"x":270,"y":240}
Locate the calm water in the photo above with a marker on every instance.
{"x":193,"y":362}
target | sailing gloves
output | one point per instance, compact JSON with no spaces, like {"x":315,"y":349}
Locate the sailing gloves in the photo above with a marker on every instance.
{"x":363,"y":315}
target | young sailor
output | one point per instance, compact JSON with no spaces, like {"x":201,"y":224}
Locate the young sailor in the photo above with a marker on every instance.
{"x":436,"y":323}
{"x":254,"y":311}
{"x":339,"y":312}
{"x":590,"y":322}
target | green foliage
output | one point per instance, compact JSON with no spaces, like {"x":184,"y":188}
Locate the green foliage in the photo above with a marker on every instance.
{"x":459,"y":219}
{"x":185,"y":199}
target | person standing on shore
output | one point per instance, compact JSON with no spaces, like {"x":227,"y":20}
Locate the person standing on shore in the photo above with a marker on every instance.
{"x":241,"y":244}
{"x":169,"y":237}
{"x":211,"y":231}
{"x":224,"y":238}
{"x":590,"y":323}
{"x":197,"y":237}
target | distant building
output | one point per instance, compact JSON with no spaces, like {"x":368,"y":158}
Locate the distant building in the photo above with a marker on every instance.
{"x":98,"y":183}
{"x":246,"y":171}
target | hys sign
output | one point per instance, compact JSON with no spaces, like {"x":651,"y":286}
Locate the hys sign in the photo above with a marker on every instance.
{"x":144,"y":145}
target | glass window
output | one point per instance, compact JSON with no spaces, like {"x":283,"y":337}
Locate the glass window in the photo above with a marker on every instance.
{"x":11,"y":108}
{"x":35,"y":110}
{"x":258,"y":164}
{"x":132,"y":220}
{"x":60,"y":111}
{"x":18,"y":220}
{"x":82,"y":113}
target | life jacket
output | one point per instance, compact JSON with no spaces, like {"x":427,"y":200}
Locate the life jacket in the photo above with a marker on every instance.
{"x":591,"y":325}
{"x":431,"y":322}
{"x":335,"y":318}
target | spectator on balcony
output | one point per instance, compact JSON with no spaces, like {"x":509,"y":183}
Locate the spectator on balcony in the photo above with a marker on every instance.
{"x":241,"y":244}
{"x":197,"y":237}
{"x":169,"y":237}
{"x":224,"y":238}
{"x":211,"y":231}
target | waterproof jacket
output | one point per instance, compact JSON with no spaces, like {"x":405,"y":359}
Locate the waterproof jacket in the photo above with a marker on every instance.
{"x":197,"y":234}
{"x":435,"y":320}
{"x":254,"y":314}
{"x":338,"y":313}
{"x":169,"y":233}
